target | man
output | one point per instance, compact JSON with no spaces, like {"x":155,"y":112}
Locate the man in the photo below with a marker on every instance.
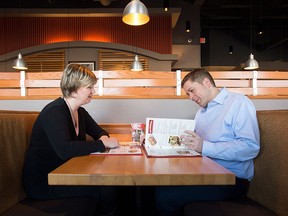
{"x":226,"y":131}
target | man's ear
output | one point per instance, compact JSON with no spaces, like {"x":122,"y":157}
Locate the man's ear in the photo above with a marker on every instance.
{"x":206,"y":82}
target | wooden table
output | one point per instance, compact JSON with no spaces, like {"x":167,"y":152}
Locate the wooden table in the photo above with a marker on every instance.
{"x":139,"y":170}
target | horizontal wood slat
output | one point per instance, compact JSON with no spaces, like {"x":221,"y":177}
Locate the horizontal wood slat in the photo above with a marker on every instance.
{"x":245,"y":91}
{"x":272,"y":83}
{"x":135,"y":75}
{"x":273,"y":91}
{"x":145,"y":83}
{"x":140,"y":82}
{"x":273,"y":75}
{"x":9,"y":84}
{"x":9,"y":75}
{"x":44,"y":91}
{"x":42,"y":83}
{"x":44,"y":76}
{"x":138,"y":91}
{"x":233,"y":83}
{"x":10,"y":92}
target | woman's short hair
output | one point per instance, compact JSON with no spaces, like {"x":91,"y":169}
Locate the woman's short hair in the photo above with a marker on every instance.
{"x":198,"y":75}
{"x":74,"y":77}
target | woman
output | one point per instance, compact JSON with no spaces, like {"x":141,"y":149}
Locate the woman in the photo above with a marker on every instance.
{"x":59,"y":133}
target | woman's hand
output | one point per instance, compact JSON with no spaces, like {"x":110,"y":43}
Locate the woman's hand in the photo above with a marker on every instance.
{"x":109,"y":142}
{"x":192,"y":140}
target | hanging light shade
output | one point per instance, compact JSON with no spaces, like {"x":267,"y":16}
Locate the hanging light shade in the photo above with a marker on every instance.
{"x":19,"y":63}
{"x":136,"y":65}
{"x":251,"y":64}
{"x":135,"y":13}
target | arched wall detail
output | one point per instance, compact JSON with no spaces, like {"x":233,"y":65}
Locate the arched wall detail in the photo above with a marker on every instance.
{"x":88,"y":44}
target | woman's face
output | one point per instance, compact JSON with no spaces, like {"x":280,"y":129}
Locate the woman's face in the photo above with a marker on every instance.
{"x":84,"y":94}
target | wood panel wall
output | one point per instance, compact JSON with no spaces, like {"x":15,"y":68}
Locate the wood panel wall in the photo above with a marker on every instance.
{"x":21,"y":32}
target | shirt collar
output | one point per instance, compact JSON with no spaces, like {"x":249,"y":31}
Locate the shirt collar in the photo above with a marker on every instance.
{"x":219,"y":99}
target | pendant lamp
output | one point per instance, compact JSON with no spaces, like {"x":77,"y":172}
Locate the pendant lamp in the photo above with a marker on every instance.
{"x":135,"y":13}
{"x":251,"y":63}
{"x":19,"y":63}
{"x":136,"y":65}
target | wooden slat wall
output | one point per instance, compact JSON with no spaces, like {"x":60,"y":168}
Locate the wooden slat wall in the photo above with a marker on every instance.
{"x":147,"y":84}
{"x":117,"y":60}
{"x":46,"y":61}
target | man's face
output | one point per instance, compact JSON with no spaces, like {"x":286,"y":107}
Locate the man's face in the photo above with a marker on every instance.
{"x":198,"y":92}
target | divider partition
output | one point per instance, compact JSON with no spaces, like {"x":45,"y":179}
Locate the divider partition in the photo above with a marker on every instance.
{"x":144,"y":84}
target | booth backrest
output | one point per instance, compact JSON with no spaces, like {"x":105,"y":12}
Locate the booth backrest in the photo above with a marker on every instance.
{"x":15,"y":130}
{"x":270,"y":184}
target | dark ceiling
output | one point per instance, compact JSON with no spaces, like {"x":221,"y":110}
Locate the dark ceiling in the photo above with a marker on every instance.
{"x":214,"y":13}
{"x":227,"y":15}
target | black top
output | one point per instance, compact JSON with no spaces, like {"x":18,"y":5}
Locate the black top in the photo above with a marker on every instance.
{"x":54,"y":141}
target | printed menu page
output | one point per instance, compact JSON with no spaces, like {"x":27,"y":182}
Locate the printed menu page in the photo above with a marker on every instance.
{"x":162,"y":137}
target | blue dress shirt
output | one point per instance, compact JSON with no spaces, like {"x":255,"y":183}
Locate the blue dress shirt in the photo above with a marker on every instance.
{"x":229,"y":128}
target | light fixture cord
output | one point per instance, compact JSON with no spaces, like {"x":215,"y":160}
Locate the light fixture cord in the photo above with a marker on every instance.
{"x":5,"y":47}
{"x":68,"y":44}
{"x":251,"y":23}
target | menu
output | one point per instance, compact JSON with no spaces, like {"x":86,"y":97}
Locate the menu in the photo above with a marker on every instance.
{"x":125,"y":148}
{"x":162,"y":138}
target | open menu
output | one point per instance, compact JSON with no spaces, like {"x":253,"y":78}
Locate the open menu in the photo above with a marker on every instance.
{"x":162,"y":138}
{"x":125,"y":148}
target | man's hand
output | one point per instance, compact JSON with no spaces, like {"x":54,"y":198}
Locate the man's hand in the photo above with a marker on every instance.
{"x":192,"y":140}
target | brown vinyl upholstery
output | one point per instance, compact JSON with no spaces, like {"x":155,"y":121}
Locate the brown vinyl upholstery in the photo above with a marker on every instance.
{"x":15,"y":129}
{"x":270,"y":184}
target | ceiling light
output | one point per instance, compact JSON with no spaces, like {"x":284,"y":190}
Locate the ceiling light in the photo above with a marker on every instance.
{"x":135,"y":13}
{"x":230,"y":49}
{"x":166,"y":5}
{"x":251,"y":64}
{"x":136,"y":65}
{"x":188,"y":26}
{"x":19,"y":63}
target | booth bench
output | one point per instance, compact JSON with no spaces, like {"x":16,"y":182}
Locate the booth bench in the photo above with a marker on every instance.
{"x":267,"y":193}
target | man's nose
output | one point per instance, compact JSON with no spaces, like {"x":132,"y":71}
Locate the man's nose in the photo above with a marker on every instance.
{"x":191,"y":96}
